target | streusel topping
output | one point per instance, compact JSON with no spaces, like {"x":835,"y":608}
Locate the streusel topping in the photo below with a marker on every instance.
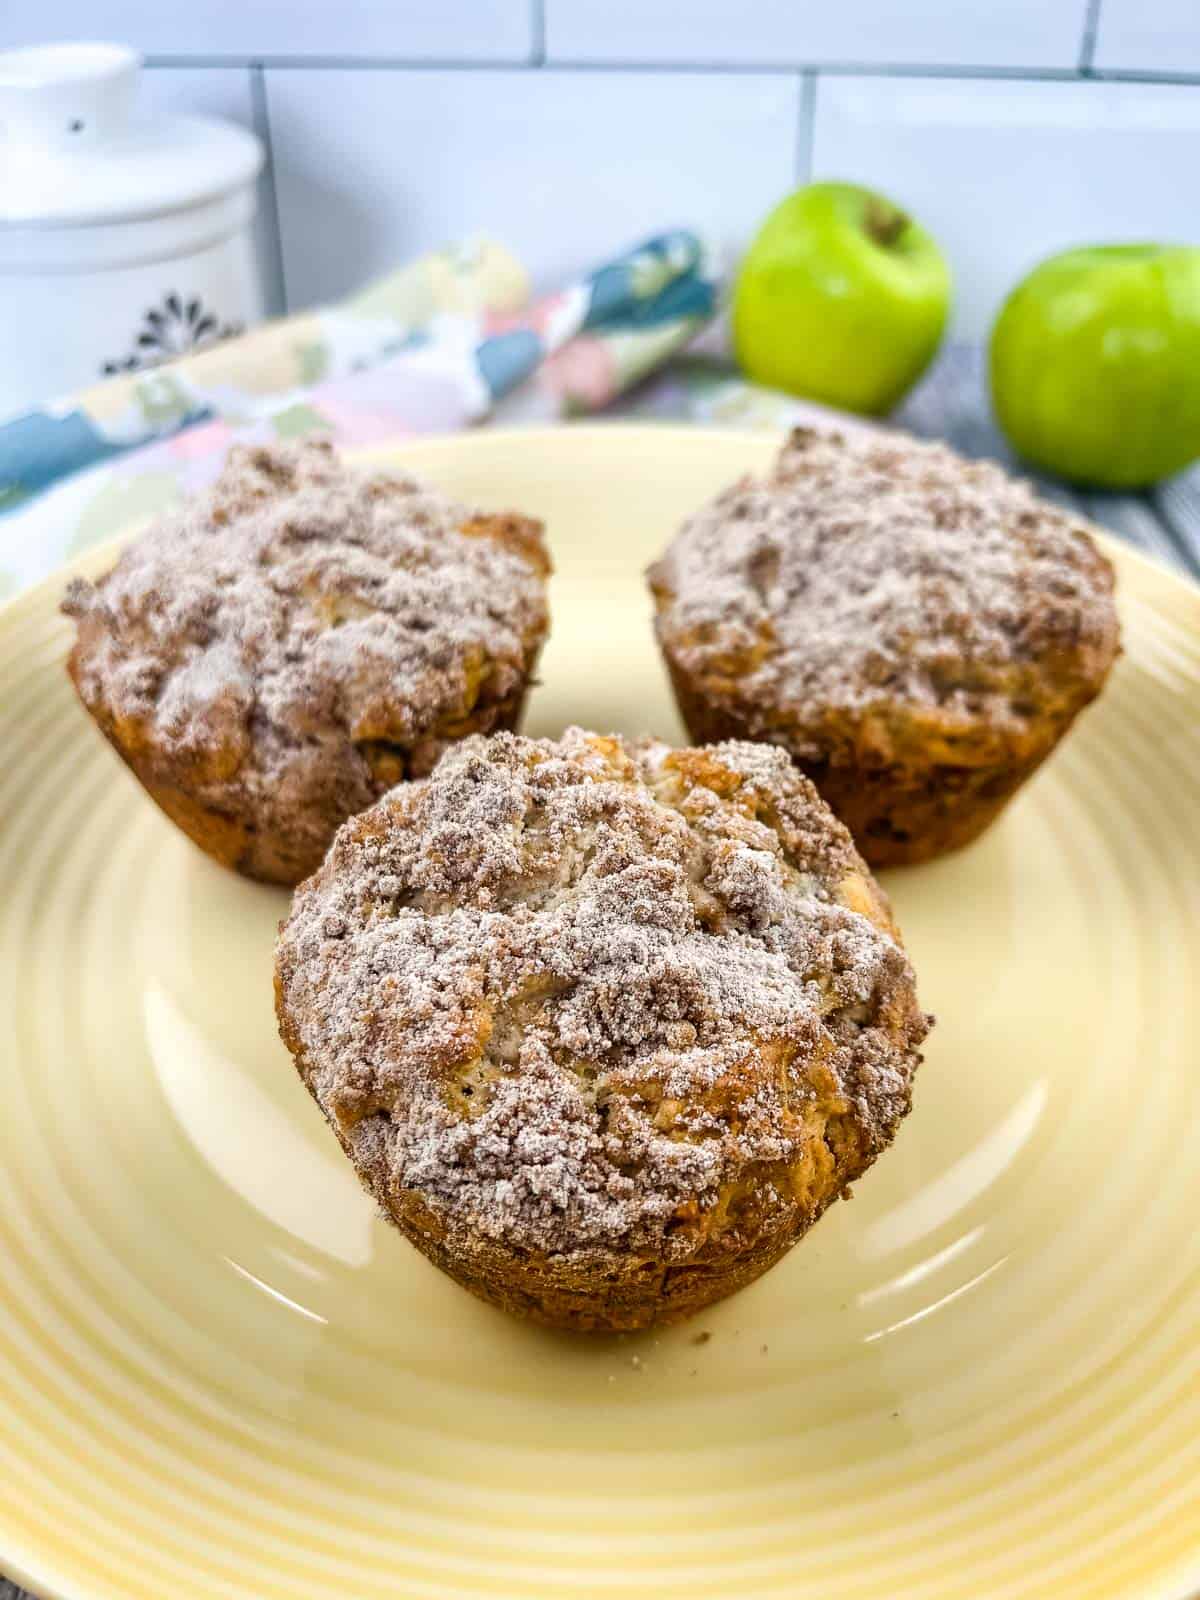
{"x":301,"y":606}
{"x":563,"y":990}
{"x":880,"y":569}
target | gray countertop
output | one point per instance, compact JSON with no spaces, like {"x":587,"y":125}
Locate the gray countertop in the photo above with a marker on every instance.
{"x":950,"y":404}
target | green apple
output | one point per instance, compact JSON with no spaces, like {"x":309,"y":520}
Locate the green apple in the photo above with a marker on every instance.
{"x":841,"y":298}
{"x":1095,"y":364}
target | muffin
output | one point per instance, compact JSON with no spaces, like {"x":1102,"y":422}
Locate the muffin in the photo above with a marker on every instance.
{"x":603,"y":1027}
{"x":276,"y":654}
{"x":917,"y":630}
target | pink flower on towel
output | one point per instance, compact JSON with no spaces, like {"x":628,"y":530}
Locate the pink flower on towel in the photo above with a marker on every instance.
{"x":202,"y":440}
{"x":583,"y":374}
{"x":539,"y":317}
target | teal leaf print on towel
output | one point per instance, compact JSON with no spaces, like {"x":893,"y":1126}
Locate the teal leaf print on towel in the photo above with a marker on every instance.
{"x":509,"y":357}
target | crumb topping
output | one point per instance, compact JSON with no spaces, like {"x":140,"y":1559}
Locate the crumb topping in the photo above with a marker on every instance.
{"x":266,"y":632}
{"x":567,"y":993}
{"x":881,"y":569}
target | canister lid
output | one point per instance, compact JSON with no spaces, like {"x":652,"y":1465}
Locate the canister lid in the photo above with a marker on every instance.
{"x":75,"y":148}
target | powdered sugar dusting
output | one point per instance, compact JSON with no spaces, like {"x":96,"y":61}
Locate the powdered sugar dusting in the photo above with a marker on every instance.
{"x":881,"y":569}
{"x":567,"y":993}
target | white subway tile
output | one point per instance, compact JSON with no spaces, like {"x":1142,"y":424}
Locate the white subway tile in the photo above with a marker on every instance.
{"x":1005,"y":173}
{"x":565,"y":167}
{"x":411,"y":30}
{"x":222,"y":92}
{"x":1148,"y":36}
{"x":200,"y":91}
{"x":1011,"y":33}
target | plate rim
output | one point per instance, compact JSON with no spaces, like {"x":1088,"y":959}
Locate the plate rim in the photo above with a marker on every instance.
{"x":1138,"y":573}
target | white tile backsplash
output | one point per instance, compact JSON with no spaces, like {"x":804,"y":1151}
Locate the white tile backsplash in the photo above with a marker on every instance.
{"x":564,"y":167}
{"x":222,"y":92}
{"x":397,"y":125}
{"x":410,"y":30}
{"x":200,"y":91}
{"x":1004,"y":173}
{"x":1005,"y":33}
{"x":1148,"y":36}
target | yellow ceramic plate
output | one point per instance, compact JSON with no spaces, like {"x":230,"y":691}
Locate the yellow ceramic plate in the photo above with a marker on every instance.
{"x":222,"y":1376}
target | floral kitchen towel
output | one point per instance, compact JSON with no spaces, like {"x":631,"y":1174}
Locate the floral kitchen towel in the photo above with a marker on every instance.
{"x":260,"y":373}
{"x":429,"y":349}
{"x":449,"y":341}
{"x":432,"y":348}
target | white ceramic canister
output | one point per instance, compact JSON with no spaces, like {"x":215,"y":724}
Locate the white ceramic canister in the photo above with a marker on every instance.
{"x":124,"y":238}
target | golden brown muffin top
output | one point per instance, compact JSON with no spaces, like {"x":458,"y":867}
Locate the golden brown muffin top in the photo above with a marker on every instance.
{"x":299,"y":606}
{"x":567,"y":992}
{"x":881,"y":569}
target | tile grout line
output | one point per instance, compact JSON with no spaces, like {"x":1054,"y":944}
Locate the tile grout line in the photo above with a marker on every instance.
{"x":538,"y":28}
{"x":863,"y":69}
{"x":1087,"y":45}
{"x":262,"y":126}
{"x":806,"y":123}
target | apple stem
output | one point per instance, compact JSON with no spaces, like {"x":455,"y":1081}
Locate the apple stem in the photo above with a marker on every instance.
{"x":885,"y":223}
